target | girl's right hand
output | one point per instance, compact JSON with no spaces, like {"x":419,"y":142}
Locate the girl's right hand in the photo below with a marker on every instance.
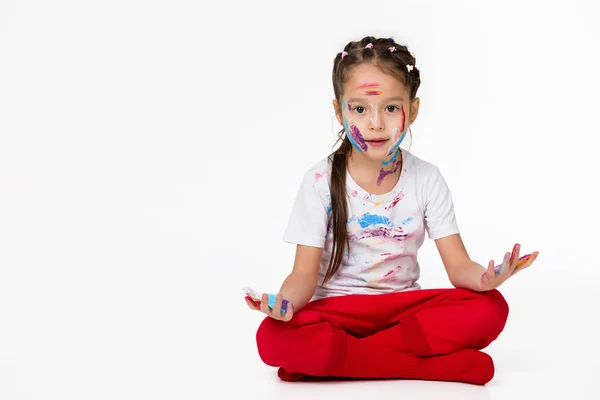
{"x":264,"y":307}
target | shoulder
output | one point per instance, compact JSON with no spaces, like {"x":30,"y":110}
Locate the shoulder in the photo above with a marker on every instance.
{"x":423,"y":169}
{"x":318,"y":174}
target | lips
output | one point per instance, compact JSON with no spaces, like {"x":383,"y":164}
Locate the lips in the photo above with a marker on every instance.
{"x":377,"y":142}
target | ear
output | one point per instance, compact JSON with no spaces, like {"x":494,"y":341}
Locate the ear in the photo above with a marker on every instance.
{"x":414,"y":110}
{"x":338,"y":111}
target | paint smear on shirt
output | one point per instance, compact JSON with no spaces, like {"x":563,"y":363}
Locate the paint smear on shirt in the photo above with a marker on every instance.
{"x":369,"y":219}
{"x":395,"y":201}
{"x":407,"y":220}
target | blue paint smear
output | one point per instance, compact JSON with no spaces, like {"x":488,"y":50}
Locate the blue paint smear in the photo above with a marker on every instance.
{"x":369,"y":219}
{"x":399,"y":141}
{"x":407,"y":220}
{"x":391,"y":159}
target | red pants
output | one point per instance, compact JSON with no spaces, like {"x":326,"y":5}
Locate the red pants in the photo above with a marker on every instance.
{"x":432,"y":334}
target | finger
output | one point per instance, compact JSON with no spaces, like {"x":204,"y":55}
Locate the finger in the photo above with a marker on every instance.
{"x":264,"y":304}
{"x":514,"y":258}
{"x":527,"y":263}
{"x":289,"y":313}
{"x":490,"y":272}
{"x":251,"y":305}
{"x":277,"y":306}
{"x":505,"y":263}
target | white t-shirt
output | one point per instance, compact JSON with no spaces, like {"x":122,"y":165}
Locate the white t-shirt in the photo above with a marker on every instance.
{"x":384,"y":231}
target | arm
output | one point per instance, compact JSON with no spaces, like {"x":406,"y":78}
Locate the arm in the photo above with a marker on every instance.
{"x":300,"y":285}
{"x":462,"y":271}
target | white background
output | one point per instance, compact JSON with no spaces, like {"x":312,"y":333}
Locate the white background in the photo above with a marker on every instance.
{"x":150,"y":153}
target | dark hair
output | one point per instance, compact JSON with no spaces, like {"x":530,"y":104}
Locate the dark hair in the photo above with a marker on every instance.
{"x":390,"y":62}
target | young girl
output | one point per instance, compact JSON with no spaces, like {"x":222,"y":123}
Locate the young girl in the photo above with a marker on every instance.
{"x":355,"y":308}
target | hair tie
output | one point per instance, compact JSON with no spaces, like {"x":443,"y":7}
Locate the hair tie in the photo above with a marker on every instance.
{"x":369,"y":46}
{"x":344,"y":54}
{"x":392,"y":49}
{"x":409,"y":67}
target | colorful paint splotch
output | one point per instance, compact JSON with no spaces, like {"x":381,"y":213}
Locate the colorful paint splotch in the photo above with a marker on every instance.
{"x":373,"y":93}
{"x":391,"y":275}
{"x":368,"y":85}
{"x":369,"y":219}
{"x":406,"y":221}
{"x":383,"y":173}
{"x":393,"y":157}
{"x":355,"y":137}
{"x":395,"y":201}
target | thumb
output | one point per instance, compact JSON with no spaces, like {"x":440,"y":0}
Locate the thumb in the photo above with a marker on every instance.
{"x":289,"y":313}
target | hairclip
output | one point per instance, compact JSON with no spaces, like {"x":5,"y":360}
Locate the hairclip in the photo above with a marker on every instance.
{"x":392,"y":49}
{"x":369,"y":46}
{"x":409,"y":67}
{"x":344,"y":54}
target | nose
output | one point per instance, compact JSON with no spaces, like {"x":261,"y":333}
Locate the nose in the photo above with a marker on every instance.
{"x":376,"y":124}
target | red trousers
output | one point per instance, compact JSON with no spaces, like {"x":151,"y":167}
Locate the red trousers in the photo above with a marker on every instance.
{"x":432,"y":334}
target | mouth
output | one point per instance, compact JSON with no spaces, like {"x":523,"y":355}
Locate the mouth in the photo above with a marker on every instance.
{"x":376,"y":141}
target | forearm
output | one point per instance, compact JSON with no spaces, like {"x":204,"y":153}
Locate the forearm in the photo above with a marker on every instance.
{"x":467,"y":276}
{"x":298,"y":288}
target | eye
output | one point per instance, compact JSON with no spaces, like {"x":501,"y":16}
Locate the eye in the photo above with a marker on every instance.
{"x":359,"y":109}
{"x":392,"y":108}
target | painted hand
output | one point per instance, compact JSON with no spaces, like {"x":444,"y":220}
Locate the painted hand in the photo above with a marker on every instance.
{"x":264,"y":307}
{"x":496,"y":275}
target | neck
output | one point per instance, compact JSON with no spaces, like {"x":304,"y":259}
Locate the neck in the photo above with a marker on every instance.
{"x":376,"y":171}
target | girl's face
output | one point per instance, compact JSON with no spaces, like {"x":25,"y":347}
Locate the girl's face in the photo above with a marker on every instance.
{"x":375,"y":111}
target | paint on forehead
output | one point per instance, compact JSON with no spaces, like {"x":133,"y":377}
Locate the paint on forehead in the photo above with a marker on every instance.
{"x":373,"y":93}
{"x":368,"y":85}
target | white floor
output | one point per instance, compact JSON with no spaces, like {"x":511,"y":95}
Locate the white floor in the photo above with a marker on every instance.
{"x":114,"y":342}
{"x":549,"y":349}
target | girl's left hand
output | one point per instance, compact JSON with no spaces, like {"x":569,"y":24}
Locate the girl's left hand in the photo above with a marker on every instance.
{"x":493,"y":278}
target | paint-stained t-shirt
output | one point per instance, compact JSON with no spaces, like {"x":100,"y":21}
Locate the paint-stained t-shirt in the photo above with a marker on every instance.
{"x":384,"y":231}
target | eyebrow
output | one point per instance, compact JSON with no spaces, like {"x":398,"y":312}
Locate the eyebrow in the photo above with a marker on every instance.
{"x":357,"y":99}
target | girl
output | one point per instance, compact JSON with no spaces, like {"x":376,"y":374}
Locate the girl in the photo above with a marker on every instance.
{"x":355,"y":308}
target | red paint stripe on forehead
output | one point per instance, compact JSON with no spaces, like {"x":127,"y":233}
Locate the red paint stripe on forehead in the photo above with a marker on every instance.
{"x":368,"y":85}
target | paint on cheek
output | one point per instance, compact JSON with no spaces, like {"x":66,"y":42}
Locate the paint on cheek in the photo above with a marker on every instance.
{"x":351,"y":135}
{"x":402,"y":129}
{"x":358,"y":138}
